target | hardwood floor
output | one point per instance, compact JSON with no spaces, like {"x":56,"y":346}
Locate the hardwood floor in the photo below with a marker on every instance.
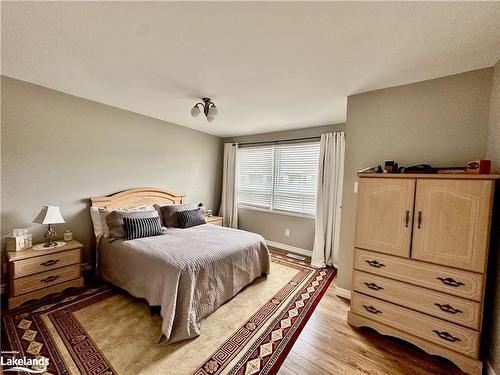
{"x":328,"y":345}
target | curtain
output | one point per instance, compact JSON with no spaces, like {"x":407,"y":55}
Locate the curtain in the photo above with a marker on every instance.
{"x":229,"y":205}
{"x":329,"y":200}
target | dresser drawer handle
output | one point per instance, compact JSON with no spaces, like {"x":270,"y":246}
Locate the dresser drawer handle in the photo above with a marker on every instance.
{"x":373,"y":286}
{"x":450,"y":281}
{"x":50,"y":262}
{"x":372,"y":309}
{"x":374,"y":263}
{"x":446,"y":336}
{"x":49,"y":279}
{"x":448,"y":308}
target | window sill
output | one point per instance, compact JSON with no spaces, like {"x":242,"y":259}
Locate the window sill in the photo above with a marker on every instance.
{"x":276,"y":212}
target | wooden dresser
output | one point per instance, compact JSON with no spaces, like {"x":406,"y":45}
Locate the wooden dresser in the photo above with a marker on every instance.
{"x":420,"y":258}
{"x":34,"y":274}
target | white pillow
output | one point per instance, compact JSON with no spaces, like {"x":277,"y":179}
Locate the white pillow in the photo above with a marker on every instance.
{"x":96,"y":221}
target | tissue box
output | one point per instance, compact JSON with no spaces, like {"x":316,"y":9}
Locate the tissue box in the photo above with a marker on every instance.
{"x":16,"y":243}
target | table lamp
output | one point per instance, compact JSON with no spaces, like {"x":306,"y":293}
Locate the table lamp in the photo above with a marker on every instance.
{"x":49,"y":215}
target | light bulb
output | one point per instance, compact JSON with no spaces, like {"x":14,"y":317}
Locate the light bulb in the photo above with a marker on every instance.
{"x":195,"y":111}
{"x":212,"y":111}
{"x":210,"y":119}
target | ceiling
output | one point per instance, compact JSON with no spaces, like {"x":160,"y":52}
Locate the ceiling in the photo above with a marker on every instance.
{"x":268,"y":66}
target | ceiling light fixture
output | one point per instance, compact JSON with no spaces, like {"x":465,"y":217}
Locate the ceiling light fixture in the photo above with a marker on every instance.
{"x":209,"y":109}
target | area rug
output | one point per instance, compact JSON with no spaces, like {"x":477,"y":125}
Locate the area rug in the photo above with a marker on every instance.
{"x":102,"y":330}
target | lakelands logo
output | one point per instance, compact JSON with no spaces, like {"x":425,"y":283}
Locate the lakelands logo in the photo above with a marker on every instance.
{"x":10,"y":362}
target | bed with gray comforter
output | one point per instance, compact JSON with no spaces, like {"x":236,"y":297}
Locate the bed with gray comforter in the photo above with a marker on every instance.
{"x":188,"y":272}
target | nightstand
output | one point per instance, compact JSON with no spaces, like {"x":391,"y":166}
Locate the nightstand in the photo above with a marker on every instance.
{"x":216,"y":220}
{"x":34,"y":274}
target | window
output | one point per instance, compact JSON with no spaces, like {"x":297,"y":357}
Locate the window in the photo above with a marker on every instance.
{"x":279,"y":177}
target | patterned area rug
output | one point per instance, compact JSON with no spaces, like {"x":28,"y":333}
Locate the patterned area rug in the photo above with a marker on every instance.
{"x":102,"y":330}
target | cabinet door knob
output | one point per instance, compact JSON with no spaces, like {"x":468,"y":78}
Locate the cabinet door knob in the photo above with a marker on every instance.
{"x":450,"y":281}
{"x":419,"y":221}
{"x":372,"y":309}
{"x":446,"y":336}
{"x":373,"y":286}
{"x":375,"y":264}
{"x":50,"y":262}
{"x":448,"y":308}
{"x":407,"y":218}
{"x":49,"y":279}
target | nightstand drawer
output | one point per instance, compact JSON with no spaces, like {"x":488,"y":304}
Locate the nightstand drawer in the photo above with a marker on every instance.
{"x":215,"y":220}
{"x":45,"y":263}
{"x":45,"y":279}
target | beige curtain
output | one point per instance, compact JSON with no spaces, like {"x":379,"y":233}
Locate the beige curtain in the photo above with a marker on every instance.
{"x":329,"y":200}
{"x":229,"y":204}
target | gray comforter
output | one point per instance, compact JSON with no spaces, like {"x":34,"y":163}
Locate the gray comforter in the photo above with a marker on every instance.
{"x":189,"y":272}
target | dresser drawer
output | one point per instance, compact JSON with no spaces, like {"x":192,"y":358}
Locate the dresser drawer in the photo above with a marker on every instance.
{"x":454,"y":309}
{"x":448,"y":335}
{"x":444,"y":279}
{"x":44,"y":263}
{"x":45,"y":279}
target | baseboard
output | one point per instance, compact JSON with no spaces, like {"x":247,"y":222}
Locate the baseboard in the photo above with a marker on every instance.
{"x":344,"y":293}
{"x":489,"y":369}
{"x":292,"y":249}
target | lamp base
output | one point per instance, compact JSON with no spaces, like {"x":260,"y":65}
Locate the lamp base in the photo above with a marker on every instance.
{"x":54,"y":245}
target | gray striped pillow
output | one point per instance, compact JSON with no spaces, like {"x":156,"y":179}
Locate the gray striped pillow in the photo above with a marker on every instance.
{"x":190,"y":218}
{"x":142,"y":227}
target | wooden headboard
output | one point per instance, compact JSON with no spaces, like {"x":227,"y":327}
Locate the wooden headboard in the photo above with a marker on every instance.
{"x":135,"y":197}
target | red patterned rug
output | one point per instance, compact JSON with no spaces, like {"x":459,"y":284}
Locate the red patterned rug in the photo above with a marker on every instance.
{"x":57,"y":328}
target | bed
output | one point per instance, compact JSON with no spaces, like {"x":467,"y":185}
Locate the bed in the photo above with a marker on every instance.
{"x":188,"y":272}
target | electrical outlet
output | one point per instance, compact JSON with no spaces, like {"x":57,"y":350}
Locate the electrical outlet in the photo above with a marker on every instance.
{"x":287,"y":232}
{"x":355,"y":186}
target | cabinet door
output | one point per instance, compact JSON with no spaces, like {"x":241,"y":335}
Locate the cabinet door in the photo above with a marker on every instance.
{"x":451,"y":223}
{"x":384,"y":215}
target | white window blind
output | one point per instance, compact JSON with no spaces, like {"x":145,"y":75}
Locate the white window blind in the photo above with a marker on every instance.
{"x":296,"y":172}
{"x":279,"y":177}
{"x":255,"y":176}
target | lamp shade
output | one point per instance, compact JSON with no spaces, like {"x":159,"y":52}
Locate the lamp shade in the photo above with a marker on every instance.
{"x":195,"y":111}
{"x":212,"y":111}
{"x":49,"y":215}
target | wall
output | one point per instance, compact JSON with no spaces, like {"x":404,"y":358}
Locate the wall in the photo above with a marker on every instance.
{"x":442,"y":122}
{"x":492,"y":317}
{"x":271,"y":225}
{"x":60,"y":149}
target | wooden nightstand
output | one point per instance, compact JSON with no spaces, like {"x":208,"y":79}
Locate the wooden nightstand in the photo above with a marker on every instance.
{"x":216,"y":220}
{"x":34,"y":274}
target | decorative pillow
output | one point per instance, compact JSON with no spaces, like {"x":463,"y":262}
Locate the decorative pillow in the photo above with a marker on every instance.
{"x":115,"y":220}
{"x":168,"y":215}
{"x":190,"y":218}
{"x":142,"y":227}
{"x":104,"y":212}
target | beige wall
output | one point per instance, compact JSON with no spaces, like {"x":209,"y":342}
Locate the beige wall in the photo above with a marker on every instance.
{"x":60,"y":149}
{"x":443,"y":122}
{"x":493,"y":153}
{"x":271,"y":225}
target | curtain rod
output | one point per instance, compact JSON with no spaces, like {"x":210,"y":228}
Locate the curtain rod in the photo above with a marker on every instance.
{"x":278,"y":141}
